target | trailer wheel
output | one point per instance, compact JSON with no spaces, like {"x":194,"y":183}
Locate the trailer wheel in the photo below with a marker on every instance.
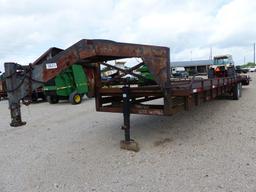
{"x":240,"y":87}
{"x":237,"y":91}
{"x":52,"y":99}
{"x":75,"y":98}
{"x":211,"y":73}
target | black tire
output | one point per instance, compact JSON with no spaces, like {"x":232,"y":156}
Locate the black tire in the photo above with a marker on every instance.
{"x":240,"y":85}
{"x":90,"y":94}
{"x":43,"y":98}
{"x":237,"y":91}
{"x":34,"y":99}
{"x":52,"y":99}
{"x":211,"y":73}
{"x":75,"y":98}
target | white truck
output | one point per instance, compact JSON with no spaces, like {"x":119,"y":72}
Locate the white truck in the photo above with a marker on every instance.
{"x":179,"y":72}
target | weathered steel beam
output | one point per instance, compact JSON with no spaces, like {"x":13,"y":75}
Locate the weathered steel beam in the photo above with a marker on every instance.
{"x":93,"y":51}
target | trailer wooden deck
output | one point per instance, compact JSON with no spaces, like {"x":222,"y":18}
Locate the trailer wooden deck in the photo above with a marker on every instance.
{"x":184,"y":95}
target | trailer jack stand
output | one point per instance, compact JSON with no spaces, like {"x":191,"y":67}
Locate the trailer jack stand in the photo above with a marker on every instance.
{"x":17,"y":122}
{"x":16,"y":116}
{"x":128,"y":143}
{"x":15,"y":83}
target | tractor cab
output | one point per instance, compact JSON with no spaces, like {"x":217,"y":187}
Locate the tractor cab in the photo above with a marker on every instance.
{"x":223,"y":66}
{"x":223,"y":60}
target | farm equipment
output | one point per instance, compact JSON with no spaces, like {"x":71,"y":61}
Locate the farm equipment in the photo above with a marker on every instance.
{"x":223,"y":66}
{"x":71,"y":84}
{"x":118,"y":94}
{"x":148,"y":78}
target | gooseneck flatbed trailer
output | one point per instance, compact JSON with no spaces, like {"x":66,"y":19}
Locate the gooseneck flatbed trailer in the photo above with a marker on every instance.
{"x":119,"y":93}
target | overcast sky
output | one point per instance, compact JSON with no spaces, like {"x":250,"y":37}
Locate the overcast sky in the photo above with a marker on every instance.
{"x":188,"y":27}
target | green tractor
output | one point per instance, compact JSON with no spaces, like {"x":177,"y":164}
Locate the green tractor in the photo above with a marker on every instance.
{"x":148,"y":77}
{"x":71,"y":84}
{"x":223,"y":66}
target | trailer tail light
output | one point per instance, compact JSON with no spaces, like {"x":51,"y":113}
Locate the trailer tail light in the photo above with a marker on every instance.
{"x":197,"y":90}
{"x":194,"y":90}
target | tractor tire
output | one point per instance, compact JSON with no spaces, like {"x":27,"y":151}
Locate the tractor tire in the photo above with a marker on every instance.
{"x":211,"y":74}
{"x":237,"y":91}
{"x":75,"y":98}
{"x":52,"y":99}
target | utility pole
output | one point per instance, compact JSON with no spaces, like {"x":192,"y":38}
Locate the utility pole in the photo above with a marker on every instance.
{"x":254,"y":53}
{"x":210,"y":57}
{"x":244,"y":60}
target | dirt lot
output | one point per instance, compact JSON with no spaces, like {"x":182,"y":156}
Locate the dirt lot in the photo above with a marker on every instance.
{"x":73,"y":148}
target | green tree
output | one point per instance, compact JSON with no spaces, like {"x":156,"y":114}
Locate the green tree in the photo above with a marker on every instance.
{"x":248,"y":65}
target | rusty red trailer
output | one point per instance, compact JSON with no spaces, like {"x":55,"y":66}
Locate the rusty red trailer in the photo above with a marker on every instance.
{"x":120,"y":94}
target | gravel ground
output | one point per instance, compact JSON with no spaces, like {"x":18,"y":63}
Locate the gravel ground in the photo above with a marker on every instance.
{"x":73,"y":148}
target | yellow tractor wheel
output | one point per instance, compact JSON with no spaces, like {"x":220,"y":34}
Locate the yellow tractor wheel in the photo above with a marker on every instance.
{"x":75,"y":98}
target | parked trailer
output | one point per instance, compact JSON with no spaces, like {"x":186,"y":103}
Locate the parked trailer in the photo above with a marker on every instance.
{"x":3,"y":93}
{"x":119,"y":94}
